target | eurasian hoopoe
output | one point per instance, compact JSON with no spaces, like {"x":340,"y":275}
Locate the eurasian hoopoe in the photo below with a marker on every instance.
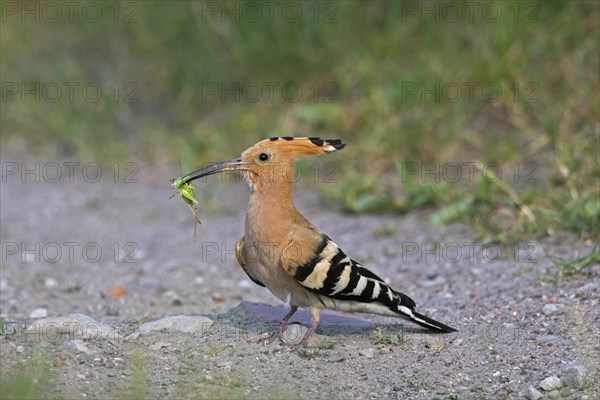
{"x":288,"y":255}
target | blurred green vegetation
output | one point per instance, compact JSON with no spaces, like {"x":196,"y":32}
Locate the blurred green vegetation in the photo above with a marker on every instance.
{"x":29,"y":380}
{"x":364,"y":69}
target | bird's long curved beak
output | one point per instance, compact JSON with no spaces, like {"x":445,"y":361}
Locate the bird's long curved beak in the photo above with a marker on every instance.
{"x":231,"y":165}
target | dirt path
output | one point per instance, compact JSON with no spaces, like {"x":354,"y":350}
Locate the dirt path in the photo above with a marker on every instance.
{"x":123,"y":254}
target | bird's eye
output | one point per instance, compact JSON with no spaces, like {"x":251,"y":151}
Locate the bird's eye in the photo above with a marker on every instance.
{"x":263,"y":156}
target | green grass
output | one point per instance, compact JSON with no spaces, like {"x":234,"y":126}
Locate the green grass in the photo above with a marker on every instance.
{"x":4,"y":333}
{"x":30,"y":380}
{"x":139,"y":381}
{"x":35,"y":379}
{"x":309,"y":352}
{"x":577,"y":265}
{"x":364,"y":64}
{"x":381,"y":336}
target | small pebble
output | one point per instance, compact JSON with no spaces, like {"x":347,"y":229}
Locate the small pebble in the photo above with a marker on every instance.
{"x":296,"y":332}
{"x":566,"y":392}
{"x":574,"y":375}
{"x":38,"y":313}
{"x":159,"y":345}
{"x":115,"y":291}
{"x":336,"y":358}
{"x":533,"y":394}
{"x":590,"y":287}
{"x":551,"y":383}
{"x":369,"y":353}
{"x":554,"y":394}
{"x":199,"y":280}
{"x":548,"y":338}
{"x":244,"y":283}
{"x":50,"y":283}
{"x":81,"y":346}
{"x":551,"y":309}
{"x":174,"y":297}
{"x":217,"y":298}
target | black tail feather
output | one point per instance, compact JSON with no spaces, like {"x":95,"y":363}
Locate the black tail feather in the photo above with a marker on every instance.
{"x":432,"y":324}
{"x":420,"y":319}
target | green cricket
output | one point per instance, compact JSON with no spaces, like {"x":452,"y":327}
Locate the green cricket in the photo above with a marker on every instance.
{"x":185,"y":190}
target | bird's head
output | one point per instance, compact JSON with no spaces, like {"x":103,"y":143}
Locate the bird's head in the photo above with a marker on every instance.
{"x":270,"y":161}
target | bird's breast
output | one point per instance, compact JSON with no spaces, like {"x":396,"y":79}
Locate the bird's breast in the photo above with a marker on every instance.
{"x":263,"y":258}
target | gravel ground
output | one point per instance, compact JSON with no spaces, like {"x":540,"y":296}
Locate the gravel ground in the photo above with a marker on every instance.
{"x":522,"y":333}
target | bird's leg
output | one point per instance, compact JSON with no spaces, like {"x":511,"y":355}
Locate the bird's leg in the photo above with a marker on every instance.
{"x":270,"y":337}
{"x":282,"y":325}
{"x":316,"y":318}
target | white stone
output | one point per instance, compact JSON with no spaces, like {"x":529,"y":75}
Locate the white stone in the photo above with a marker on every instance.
{"x":533,"y":394}
{"x":50,"y":282}
{"x":81,"y":346}
{"x":179,"y":323}
{"x":74,"y":325}
{"x":159,"y":345}
{"x":551,"y":383}
{"x":551,"y":309}
{"x":38,"y":313}
{"x":369,"y":353}
{"x":294,"y":333}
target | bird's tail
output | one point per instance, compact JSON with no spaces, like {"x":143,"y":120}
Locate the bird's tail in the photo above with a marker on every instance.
{"x":424,"y":321}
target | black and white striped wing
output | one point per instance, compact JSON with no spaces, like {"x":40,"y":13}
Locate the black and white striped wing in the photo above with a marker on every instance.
{"x":330,"y":272}
{"x":333,"y":274}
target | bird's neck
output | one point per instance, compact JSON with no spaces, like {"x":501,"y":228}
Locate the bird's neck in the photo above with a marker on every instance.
{"x":271,"y":211}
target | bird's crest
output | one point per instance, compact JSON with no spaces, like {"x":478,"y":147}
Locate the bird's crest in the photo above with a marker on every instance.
{"x":298,"y":147}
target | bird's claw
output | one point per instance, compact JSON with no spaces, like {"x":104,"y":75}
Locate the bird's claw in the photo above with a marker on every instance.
{"x":258,"y":338}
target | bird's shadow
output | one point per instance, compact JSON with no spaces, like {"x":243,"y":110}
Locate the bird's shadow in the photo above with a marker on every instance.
{"x":261,"y":317}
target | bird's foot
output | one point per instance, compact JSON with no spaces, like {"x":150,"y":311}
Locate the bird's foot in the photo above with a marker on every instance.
{"x":267,"y":338}
{"x":258,"y":338}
